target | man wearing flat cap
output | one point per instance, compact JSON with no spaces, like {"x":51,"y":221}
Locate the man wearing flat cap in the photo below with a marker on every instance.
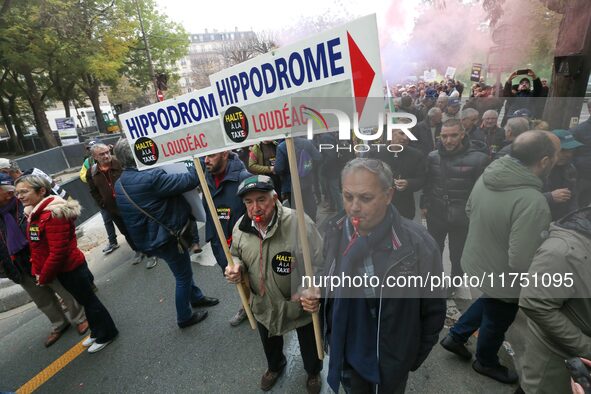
{"x":265,"y":249}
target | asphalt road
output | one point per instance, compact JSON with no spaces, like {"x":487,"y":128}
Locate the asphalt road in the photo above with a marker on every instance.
{"x":151,"y":354}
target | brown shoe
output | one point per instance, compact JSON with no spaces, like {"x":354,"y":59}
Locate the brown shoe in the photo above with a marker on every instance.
{"x":313,"y":384}
{"x":82,"y":327}
{"x":269,"y":378}
{"x":55,"y":335}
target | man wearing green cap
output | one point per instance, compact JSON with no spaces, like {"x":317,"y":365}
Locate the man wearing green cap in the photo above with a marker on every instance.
{"x":561,"y":185}
{"x":265,"y":248}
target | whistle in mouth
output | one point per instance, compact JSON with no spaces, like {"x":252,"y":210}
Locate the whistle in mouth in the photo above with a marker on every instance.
{"x":258,"y":218}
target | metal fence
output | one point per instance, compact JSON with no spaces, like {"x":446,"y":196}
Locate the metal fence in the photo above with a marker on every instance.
{"x":57,"y":160}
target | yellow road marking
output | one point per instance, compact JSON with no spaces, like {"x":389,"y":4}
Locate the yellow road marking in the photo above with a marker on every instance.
{"x":52,"y":369}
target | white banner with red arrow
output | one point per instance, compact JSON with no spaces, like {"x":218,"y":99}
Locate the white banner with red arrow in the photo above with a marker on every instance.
{"x":255,"y":97}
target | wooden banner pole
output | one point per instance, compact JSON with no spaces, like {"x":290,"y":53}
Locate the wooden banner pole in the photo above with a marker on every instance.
{"x":296,"y":193}
{"x":222,"y":236}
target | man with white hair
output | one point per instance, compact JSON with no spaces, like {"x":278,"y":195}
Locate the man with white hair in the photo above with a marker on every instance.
{"x":513,"y":128}
{"x":469,"y":117}
{"x":492,"y":134}
{"x":101,"y":179}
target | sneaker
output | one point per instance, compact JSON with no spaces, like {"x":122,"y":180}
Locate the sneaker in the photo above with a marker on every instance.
{"x":196,"y":248}
{"x":109,"y":248}
{"x":196,"y":318}
{"x":238,"y":318}
{"x":499,"y":373}
{"x":313,"y":384}
{"x":151,"y":262}
{"x":269,"y":378}
{"x":451,"y":345}
{"x":97,"y":347}
{"x":137,"y":258}
{"x":88,"y":341}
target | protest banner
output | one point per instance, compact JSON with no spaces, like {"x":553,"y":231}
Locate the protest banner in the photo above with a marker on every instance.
{"x":476,"y":72}
{"x":252,"y":102}
{"x":175,"y":129}
{"x":450,"y":72}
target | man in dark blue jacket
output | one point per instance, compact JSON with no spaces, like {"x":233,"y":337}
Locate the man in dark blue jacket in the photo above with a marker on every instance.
{"x":161,"y":196}
{"x":224,"y":173}
{"x":377,"y":334}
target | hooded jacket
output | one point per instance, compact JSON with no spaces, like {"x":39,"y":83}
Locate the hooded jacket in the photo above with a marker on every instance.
{"x":51,"y":233}
{"x":508,"y":214}
{"x":559,"y":315}
{"x":275,"y":269}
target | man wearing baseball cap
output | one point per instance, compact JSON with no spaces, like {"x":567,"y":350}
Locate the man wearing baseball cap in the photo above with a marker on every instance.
{"x":560,"y":188}
{"x":265,"y":251}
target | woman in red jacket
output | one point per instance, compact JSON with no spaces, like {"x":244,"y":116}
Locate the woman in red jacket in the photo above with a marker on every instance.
{"x":54,"y":253}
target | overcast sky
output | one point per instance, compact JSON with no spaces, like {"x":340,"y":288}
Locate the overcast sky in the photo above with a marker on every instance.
{"x":260,"y":15}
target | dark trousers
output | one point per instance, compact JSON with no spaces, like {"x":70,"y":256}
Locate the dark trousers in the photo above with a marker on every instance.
{"x":109,"y":226}
{"x":123,"y":230}
{"x":439,"y":229}
{"x":492,"y":318}
{"x":358,"y":385}
{"x":273,"y":347}
{"x":78,"y":283}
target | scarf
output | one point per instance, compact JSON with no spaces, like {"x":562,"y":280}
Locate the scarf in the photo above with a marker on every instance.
{"x":353,"y":322}
{"x":15,"y":239}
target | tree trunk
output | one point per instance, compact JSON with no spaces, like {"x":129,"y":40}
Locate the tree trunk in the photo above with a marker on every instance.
{"x":66,"y":104}
{"x":16,"y":120}
{"x":39,"y":111}
{"x":92,"y":91}
{"x":15,"y":142}
{"x":572,"y":66}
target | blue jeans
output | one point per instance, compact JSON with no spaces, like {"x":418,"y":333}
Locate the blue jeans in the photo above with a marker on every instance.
{"x":109,"y":226}
{"x":492,"y":317}
{"x":185,"y":291}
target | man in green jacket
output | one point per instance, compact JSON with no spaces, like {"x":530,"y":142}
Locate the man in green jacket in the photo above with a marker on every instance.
{"x":264,"y":248}
{"x":557,"y":305}
{"x":508,"y":214}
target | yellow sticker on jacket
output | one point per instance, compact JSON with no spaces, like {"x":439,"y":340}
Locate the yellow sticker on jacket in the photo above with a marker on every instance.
{"x":283,"y":263}
{"x":34,"y":232}
{"x":223,"y":213}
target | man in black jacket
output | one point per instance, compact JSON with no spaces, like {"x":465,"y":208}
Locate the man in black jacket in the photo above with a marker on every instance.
{"x":401,"y":324}
{"x":452,"y":171}
{"x":408,"y":169}
{"x":523,"y":96}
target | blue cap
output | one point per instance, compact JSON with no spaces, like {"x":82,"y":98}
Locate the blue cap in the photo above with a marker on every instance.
{"x":6,"y":180}
{"x":522,"y":112}
{"x":453,"y":102}
{"x":567,"y":141}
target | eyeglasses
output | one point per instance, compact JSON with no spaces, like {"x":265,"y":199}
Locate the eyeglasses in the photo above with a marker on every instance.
{"x":22,"y":192}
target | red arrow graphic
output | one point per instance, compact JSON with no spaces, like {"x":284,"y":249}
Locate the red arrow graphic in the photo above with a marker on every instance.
{"x":362,"y":73}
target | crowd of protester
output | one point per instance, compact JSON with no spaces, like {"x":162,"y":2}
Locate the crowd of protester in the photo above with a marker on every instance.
{"x":491,"y":187}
